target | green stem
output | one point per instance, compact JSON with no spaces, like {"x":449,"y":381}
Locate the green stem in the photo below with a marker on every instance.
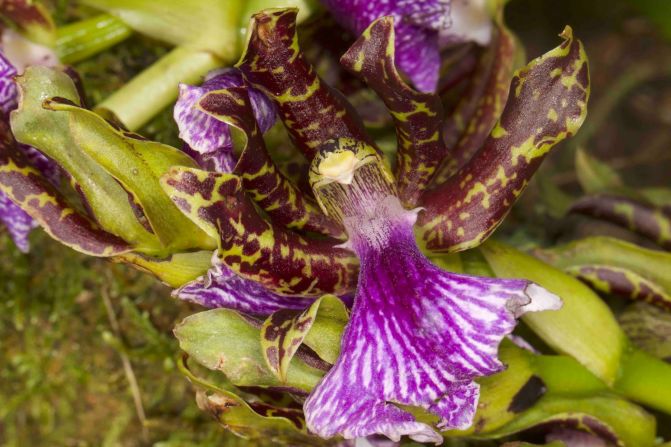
{"x":80,"y":40}
{"x":156,"y":87}
{"x":645,"y":379}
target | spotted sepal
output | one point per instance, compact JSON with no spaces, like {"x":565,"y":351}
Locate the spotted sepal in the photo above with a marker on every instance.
{"x":30,"y":18}
{"x":638,"y":216}
{"x":417,"y":116}
{"x":273,"y":63}
{"x":617,"y":267}
{"x":622,"y":282}
{"x":547,"y":103}
{"x":279,"y":259}
{"x":285,"y":331}
{"x":221,"y":287}
{"x":30,"y":190}
{"x":262,"y":180}
{"x":481,"y":104}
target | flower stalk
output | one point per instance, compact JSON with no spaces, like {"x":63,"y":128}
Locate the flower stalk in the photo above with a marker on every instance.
{"x":155,"y":88}
{"x":80,"y":40}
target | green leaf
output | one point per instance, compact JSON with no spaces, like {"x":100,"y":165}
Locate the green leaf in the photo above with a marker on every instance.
{"x":614,"y":266}
{"x":49,"y":132}
{"x":221,"y":339}
{"x":320,"y":326}
{"x":584,"y":327}
{"x":137,"y":164}
{"x":594,"y":175}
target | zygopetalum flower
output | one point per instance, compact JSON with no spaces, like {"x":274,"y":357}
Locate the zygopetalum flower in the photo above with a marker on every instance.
{"x":417,"y":335}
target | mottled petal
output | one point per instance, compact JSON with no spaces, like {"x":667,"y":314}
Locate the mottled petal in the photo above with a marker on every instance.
{"x":209,"y":136}
{"x":312,"y":111}
{"x":467,"y":127}
{"x":547,"y":103}
{"x":261,"y":178}
{"x":418,"y":117}
{"x":18,"y":223}
{"x":222,"y":287}
{"x":416,"y":26}
{"x":638,"y":216}
{"x":283,"y":261}
{"x":414,"y":339}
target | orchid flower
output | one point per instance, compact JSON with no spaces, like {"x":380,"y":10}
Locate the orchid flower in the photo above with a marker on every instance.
{"x":417,"y":336}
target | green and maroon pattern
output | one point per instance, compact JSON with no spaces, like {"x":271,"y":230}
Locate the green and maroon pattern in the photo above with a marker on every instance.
{"x":279,"y":259}
{"x":481,"y":104}
{"x":28,"y":188}
{"x":281,"y":336}
{"x":645,"y":219}
{"x":622,"y":282}
{"x":273,"y":63}
{"x":418,"y":117}
{"x":547,"y":103}
{"x":268,"y":187}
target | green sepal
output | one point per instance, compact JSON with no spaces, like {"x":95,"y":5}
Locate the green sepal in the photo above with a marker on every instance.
{"x":614,"y":266}
{"x":584,"y":327}
{"x":137,"y":164}
{"x":174,"y":270}
{"x":223,"y":340}
{"x":251,"y":420}
{"x":49,"y":132}
{"x":320,"y":327}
